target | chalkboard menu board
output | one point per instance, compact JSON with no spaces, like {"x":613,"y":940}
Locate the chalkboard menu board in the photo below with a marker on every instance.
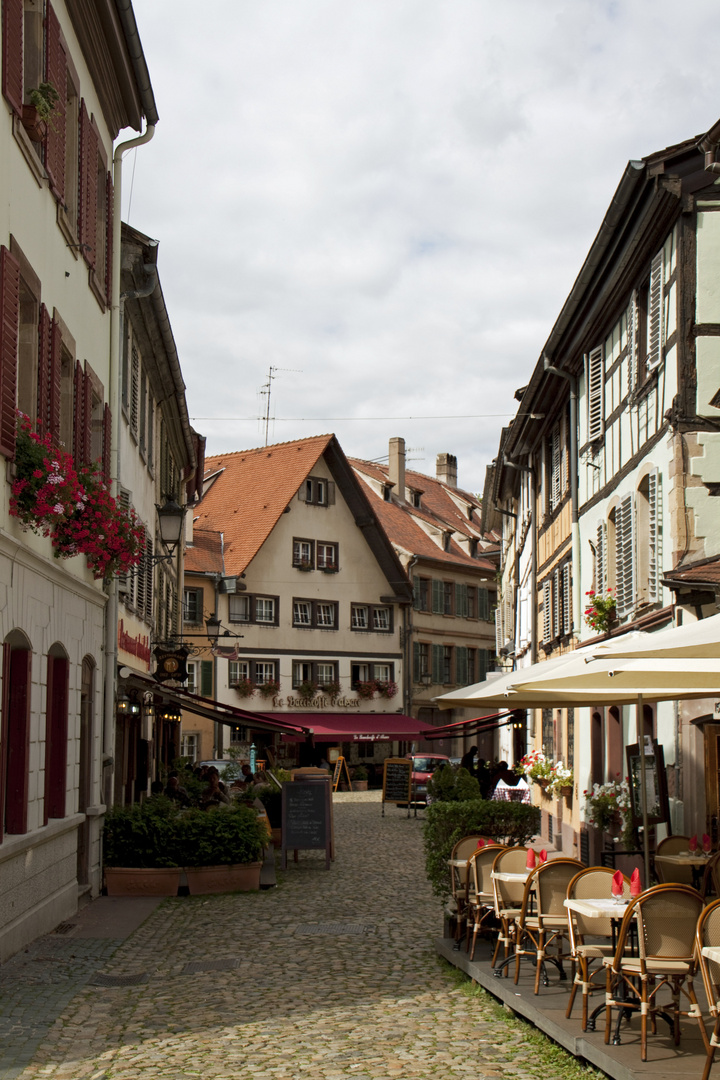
{"x":306,"y":817}
{"x":397,"y":781}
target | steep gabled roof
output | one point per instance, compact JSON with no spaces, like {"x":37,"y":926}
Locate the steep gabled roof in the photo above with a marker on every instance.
{"x":205,"y":555}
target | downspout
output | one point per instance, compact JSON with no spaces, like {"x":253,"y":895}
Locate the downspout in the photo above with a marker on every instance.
{"x":407,"y":644}
{"x":533,"y":566}
{"x":575,"y":526}
{"x":114,"y":378}
{"x":709,"y":146}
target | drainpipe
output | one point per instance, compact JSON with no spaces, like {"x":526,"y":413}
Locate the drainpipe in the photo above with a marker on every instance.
{"x":114,"y":377}
{"x":407,"y":644}
{"x":575,"y":528}
{"x":533,"y":566}
{"x":709,"y":147}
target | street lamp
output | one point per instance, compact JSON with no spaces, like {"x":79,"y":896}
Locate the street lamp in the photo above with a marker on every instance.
{"x":212,"y":626}
{"x":170,"y":521}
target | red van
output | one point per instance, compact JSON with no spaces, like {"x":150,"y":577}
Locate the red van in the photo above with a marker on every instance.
{"x":424,"y":765}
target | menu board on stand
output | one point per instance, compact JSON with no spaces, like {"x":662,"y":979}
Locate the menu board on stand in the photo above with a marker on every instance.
{"x":397,"y":782}
{"x":306,"y":817}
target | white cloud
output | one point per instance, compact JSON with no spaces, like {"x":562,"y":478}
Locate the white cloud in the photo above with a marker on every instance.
{"x":393,"y":197}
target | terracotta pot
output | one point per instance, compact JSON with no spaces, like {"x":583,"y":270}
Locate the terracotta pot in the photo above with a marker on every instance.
{"x":35,"y":126}
{"x":133,"y":881}
{"x":360,"y":785}
{"x":241,"y":877}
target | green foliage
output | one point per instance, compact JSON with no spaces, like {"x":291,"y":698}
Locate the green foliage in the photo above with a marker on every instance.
{"x":271,"y":798}
{"x":447,"y":822}
{"x":360,"y":773}
{"x":452,"y":785}
{"x":157,"y":833}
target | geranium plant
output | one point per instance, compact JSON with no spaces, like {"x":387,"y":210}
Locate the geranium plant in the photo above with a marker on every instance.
{"x":269,"y":688}
{"x":599,"y":613}
{"x":366,"y":690}
{"x":332,"y":688}
{"x":245,"y":687}
{"x":607,"y":807}
{"x":562,"y":778}
{"x":307,"y":689}
{"x":72,"y":506}
{"x":387,"y":689}
{"x":535,"y":766}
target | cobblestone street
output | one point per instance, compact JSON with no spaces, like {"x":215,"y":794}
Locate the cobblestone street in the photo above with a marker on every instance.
{"x":331,"y":974}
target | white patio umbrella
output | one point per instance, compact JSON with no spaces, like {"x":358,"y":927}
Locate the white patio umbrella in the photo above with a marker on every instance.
{"x":693,"y":640}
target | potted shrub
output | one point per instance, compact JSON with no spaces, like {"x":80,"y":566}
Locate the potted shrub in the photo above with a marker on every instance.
{"x":37,"y":114}
{"x":600,"y":612}
{"x":271,"y":797}
{"x":360,"y":778}
{"x":140,"y":853}
{"x":221,"y":849}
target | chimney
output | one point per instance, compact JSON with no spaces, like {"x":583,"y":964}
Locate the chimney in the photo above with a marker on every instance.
{"x":446,"y":469}
{"x":396,"y":467}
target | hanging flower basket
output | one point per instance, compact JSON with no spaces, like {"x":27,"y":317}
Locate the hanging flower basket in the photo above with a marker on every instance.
{"x":600,"y":612}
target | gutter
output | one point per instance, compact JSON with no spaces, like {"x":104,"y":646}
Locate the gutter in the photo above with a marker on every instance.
{"x":126,"y":16}
{"x":574,"y":495}
{"x":708,"y":145}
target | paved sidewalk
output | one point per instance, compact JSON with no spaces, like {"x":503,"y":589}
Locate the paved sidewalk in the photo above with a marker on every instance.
{"x":333,"y":974}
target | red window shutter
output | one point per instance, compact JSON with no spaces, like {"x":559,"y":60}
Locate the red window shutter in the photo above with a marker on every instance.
{"x":12,"y":53}
{"x":107,"y":443}
{"x":87,"y":420}
{"x":4,"y":729}
{"x":56,"y":732}
{"x":9,"y":330}
{"x":56,"y":74}
{"x":109,"y":240}
{"x":78,"y":400}
{"x":43,"y":379}
{"x":18,"y":751}
{"x":87,"y":223}
{"x":55,"y":377}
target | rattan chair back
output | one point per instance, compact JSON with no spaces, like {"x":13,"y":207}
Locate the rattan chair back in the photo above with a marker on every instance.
{"x":673,"y":845}
{"x":509,"y":894}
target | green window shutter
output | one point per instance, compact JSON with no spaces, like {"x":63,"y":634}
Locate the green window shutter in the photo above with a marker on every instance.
{"x":416,"y":661}
{"x":461,"y":601}
{"x":416,"y":593}
{"x":206,"y":678}
{"x":461,"y":665}
{"x":483,"y":604}
{"x":437,"y":665}
{"x":483,"y":662}
{"x":438,"y":598}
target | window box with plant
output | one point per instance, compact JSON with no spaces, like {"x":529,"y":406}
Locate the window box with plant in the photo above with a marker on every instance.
{"x":307,"y":689}
{"x":269,"y":687}
{"x":387,"y":689}
{"x":600,"y":612}
{"x":332,"y":688}
{"x":245,"y":687}
{"x":607,"y":807}
{"x":366,"y":690}
{"x":37,"y":114}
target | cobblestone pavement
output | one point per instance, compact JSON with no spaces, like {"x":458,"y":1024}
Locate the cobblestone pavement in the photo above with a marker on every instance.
{"x":337,"y":977}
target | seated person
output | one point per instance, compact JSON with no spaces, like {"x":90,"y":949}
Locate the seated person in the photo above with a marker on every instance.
{"x":156,"y":788}
{"x":214,"y":795}
{"x":175,"y":791}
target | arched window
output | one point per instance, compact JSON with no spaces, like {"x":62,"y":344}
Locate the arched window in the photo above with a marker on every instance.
{"x":56,"y":732}
{"x":15,"y":733}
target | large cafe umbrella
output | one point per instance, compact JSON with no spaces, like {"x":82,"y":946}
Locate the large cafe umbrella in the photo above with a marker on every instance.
{"x":695,"y":641}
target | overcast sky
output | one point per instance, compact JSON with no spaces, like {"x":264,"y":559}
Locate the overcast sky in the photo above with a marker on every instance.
{"x":392,"y":198}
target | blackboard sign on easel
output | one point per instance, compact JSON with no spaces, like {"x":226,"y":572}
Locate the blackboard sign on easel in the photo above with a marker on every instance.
{"x":341,"y":765}
{"x":397,"y":782}
{"x":306,"y":817}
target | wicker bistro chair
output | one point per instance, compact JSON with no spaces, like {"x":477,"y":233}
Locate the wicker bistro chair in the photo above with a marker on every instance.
{"x":708,"y":933}
{"x":585,"y":949}
{"x":536,"y":932}
{"x":711,"y":877}
{"x":481,"y":895}
{"x":680,"y":875}
{"x":508,"y":896}
{"x":667,"y":918}
{"x":459,"y":879}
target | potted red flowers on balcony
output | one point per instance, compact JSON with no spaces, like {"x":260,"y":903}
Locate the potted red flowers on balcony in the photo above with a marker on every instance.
{"x":72,"y":506}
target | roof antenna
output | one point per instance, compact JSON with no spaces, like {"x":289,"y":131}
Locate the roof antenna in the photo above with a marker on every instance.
{"x":266,"y":389}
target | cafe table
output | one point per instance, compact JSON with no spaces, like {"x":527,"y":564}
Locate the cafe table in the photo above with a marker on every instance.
{"x":507,"y":875}
{"x":697,"y":861}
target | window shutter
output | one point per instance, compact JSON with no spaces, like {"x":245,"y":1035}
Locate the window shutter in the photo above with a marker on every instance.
{"x":330,"y":488}
{"x":483,"y":604}
{"x":123,"y":501}
{"x":56,"y":74}
{"x":139,"y":572}
{"x":509,"y":615}
{"x":43,"y":373}
{"x":148,"y":568}
{"x":547,"y":610}
{"x":9,"y":331}
{"x":416,"y":592}
{"x":12,"y":53}
{"x":437,"y":664}
{"x":595,"y":393}
{"x":78,"y":403}
{"x":135,"y":391}
{"x":625,"y":555}
{"x":567,"y":598}
{"x":55,"y":380}
{"x":87,"y":223}
{"x":107,"y":443}
{"x":655,"y":322}
{"x":461,"y":665}
{"x":206,"y":678}
{"x":87,"y":420}
{"x":461,"y":600}
{"x":416,"y":662}
{"x":600,"y":545}
{"x":654,"y":536}
{"x":632,"y":338}
{"x":499,"y":629}
{"x":438,"y":597}
{"x":556,"y":458}
{"x":483,"y":664}
{"x":556,"y":603}
{"x":302,"y":492}
{"x":109,"y":237}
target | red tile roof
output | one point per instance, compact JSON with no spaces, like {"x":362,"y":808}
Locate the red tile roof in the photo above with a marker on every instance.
{"x":251,"y":491}
{"x":205,"y":554}
{"x":704,"y":573}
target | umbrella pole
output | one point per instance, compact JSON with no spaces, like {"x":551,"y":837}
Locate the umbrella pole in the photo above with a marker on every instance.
{"x":640,"y":724}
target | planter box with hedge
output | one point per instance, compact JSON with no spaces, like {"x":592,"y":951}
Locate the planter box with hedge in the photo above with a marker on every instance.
{"x":156,"y":834}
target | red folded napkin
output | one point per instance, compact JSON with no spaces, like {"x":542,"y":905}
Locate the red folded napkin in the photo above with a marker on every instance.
{"x":481,"y":843}
{"x":707,"y":844}
{"x":635,"y":883}
{"x":530,"y":861}
{"x":693,"y":844}
{"x":543,"y":855}
{"x":618,"y":883}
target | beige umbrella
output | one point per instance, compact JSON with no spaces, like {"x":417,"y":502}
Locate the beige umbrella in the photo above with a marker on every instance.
{"x":693,"y":640}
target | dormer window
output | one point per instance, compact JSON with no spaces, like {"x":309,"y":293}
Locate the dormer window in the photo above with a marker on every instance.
{"x":386,"y":492}
{"x":415,"y":499}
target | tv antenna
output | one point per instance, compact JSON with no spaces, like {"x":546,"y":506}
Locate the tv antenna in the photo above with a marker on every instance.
{"x":266,"y":389}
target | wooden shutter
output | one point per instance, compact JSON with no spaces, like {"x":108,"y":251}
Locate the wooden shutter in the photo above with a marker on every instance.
{"x":55,"y":380}
{"x":416,"y":662}
{"x":625,"y":555}
{"x":499,"y":629}
{"x":483,"y":664}
{"x":653,"y":539}
{"x":56,"y":74}
{"x":600,"y":562}
{"x":438,"y":597}
{"x":123,"y":580}
{"x":206,"y":678}
{"x":461,"y":600}
{"x":135,"y":398}
{"x":18,"y":751}
{"x":56,"y":736}
{"x":483,"y":606}
{"x":595,"y":394}
{"x":555,"y":482}
{"x":547,"y":610}
{"x":461,"y":665}
{"x":109,"y":237}
{"x":556,"y":603}
{"x":655,"y":320}
{"x":567,"y":622}
{"x":509,"y":614}
{"x":330,"y":488}
{"x":87,"y":216}
{"x":12,"y":54}
{"x":139,"y":572}
{"x":43,"y":372}
{"x":87,"y":420}
{"x":4,"y":730}
{"x":416,"y":592}
{"x":9,"y":331}
{"x":148,"y":579}
{"x":107,"y":443}
{"x":632,"y":338}
{"x":437,"y":664}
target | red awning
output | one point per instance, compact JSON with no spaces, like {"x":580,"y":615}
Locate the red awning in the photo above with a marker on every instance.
{"x":358,"y":727}
{"x":475,"y":726}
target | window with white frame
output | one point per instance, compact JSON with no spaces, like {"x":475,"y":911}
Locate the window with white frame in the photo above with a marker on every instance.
{"x":359,"y":673}
{"x":381,"y":618}
{"x":239,"y":607}
{"x":302,"y":613}
{"x":315,"y":614}
{"x":264,"y":610}
{"x":191,"y":684}
{"x":359,"y":617}
{"x":316,"y":491}
{"x":237,"y":671}
{"x":327,"y":556}
{"x":303,"y":554}
{"x":190,"y":745}
{"x":383,"y":672}
{"x":264,"y":671}
{"x":302,"y":672}
{"x":325,"y":615}
{"x":192,"y":605}
{"x":325,"y":672}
